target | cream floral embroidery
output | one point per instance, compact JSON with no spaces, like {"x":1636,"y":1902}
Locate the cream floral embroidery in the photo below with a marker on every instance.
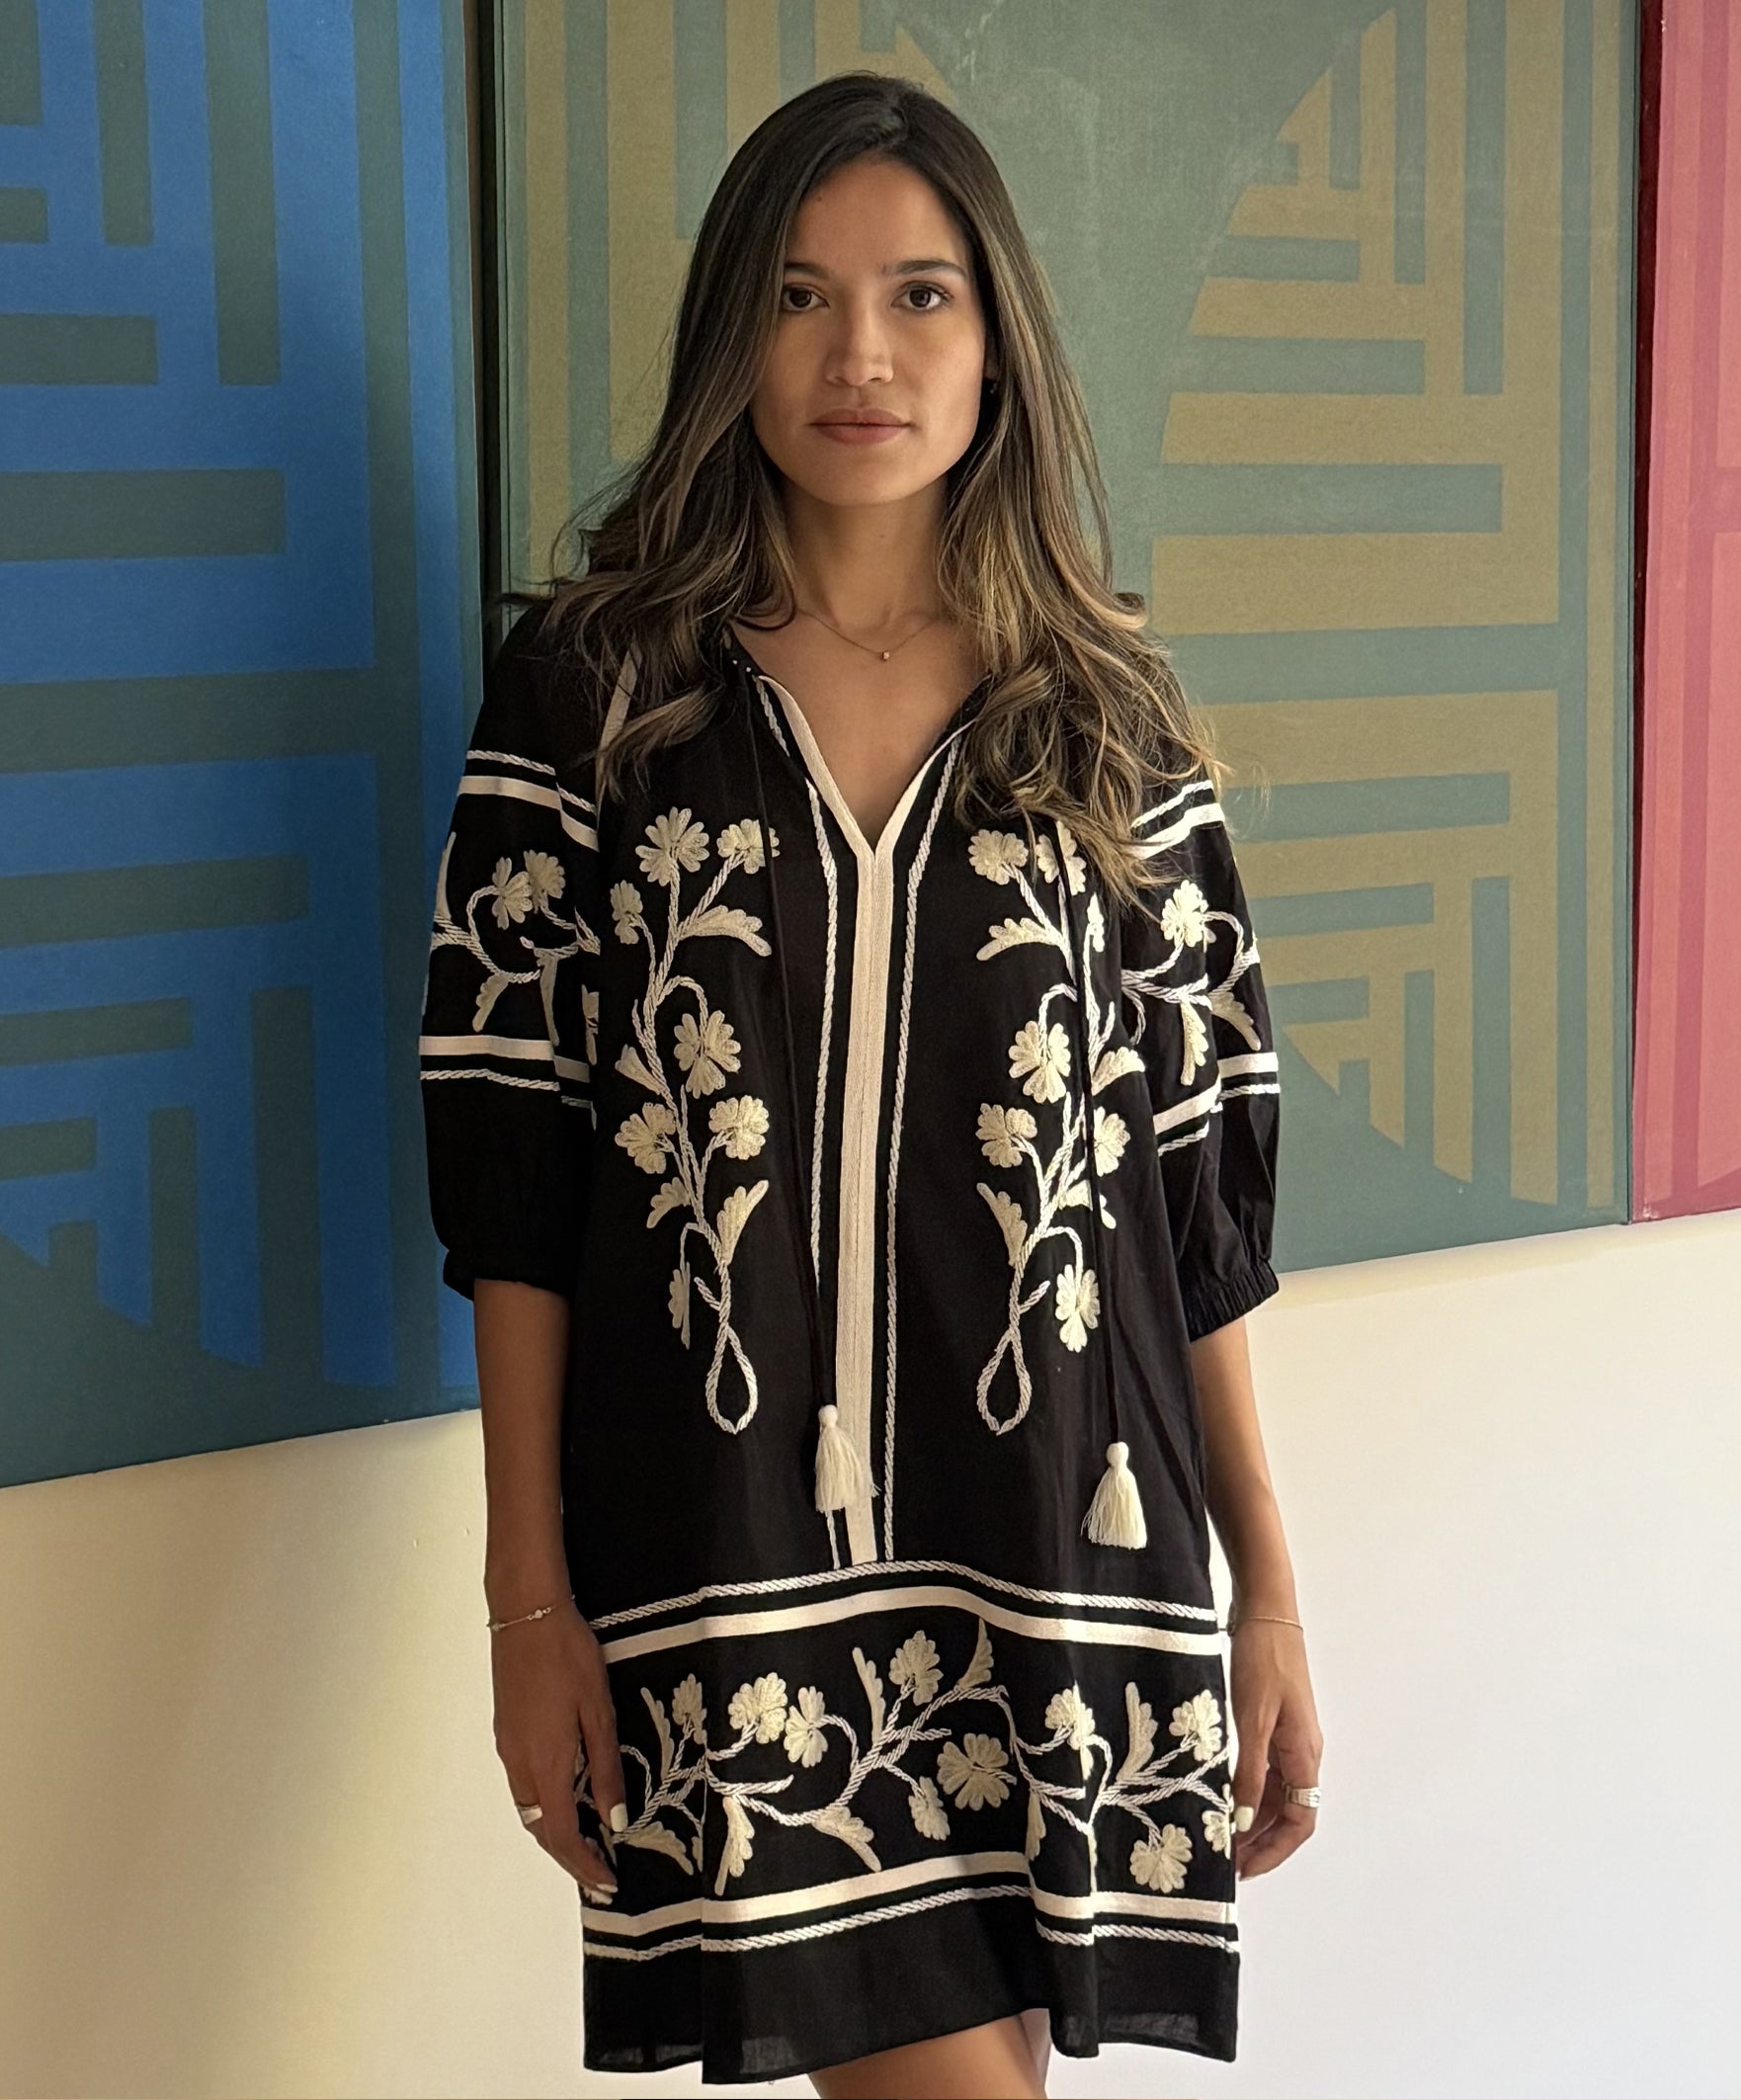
{"x":707,"y":1054}
{"x":1188,"y":920}
{"x":1078,"y":1304}
{"x":975,"y":1768}
{"x":1160,"y":1861}
{"x":514,"y":895}
{"x":1043,"y":1060}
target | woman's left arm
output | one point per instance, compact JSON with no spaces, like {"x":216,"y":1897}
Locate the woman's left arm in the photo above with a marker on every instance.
{"x":1275,"y":1717}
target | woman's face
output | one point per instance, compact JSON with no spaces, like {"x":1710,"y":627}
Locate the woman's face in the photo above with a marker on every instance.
{"x":878,"y":310}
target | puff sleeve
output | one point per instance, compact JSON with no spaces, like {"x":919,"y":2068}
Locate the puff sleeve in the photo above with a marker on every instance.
{"x":1198,"y":1015}
{"x":509,"y":1008}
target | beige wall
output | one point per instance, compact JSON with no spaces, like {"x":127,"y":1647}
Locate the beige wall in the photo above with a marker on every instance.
{"x":256,"y":1841}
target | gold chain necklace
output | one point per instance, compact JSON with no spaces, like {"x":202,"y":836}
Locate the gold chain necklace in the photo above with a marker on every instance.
{"x":885,"y":654}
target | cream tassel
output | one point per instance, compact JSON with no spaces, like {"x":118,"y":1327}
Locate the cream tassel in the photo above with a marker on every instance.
{"x":1114,"y":1516}
{"x":840,"y":1477}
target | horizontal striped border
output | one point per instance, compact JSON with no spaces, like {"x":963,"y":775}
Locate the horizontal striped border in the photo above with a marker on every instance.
{"x":534,"y":766}
{"x":535,"y":1050}
{"x":1192,"y":810}
{"x":910,"y":1597}
{"x":877,"y":1896}
{"x":865,"y":1581}
{"x":521,"y":791}
{"x":1198,"y":1107}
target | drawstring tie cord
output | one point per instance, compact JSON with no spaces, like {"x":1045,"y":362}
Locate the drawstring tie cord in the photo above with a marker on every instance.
{"x":1115,"y":1514}
{"x":840,"y":1474}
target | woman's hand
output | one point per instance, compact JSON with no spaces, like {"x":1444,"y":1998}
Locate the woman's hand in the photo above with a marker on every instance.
{"x":1280,"y":1743}
{"x":554,"y":1713}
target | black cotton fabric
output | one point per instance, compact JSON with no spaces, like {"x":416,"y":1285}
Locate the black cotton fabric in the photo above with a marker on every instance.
{"x":923,"y":1759}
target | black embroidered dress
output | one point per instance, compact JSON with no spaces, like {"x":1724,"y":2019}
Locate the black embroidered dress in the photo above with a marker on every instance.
{"x":806,"y":1133}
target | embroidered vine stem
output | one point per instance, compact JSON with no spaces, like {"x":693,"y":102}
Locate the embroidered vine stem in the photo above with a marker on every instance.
{"x":980,"y":1770}
{"x":1040,"y":1057}
{"x":662,"y":1129}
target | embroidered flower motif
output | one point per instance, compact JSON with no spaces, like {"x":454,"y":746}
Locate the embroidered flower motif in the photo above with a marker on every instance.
{"x":996,"y":855}
{"x":1185,"y":917}
{"x":1040,"y":1058}
{"x":513,"y":897}
{"x":928,"y":1818}
{"x":1112,"y":1133}
{"x":702,"y":1043}
{"x":1197,"y":1725}
{"x":589,"y":1015}
{"x":1218,"y":1823}
{"x":626,"y":911}
{"x":677,"y":843}
{"x":975,"y":1772}
{"x":1067,"y":1711}
{"x":1159,"y":1862}
{"x":1044,"y":858}
{"x":1001,"y":1131}
{"x":679,"y":1296}
{"x":510,"y":893}
{"x":981,"y":1770}
{"x":760,"y":1706}
{"x":740,"y":1123}
{"x":545,"y":876}
{"x":707,"y":1051}
{"x":1078,"y":1304}
{"x":687,"y":1710}
{"x":805,"y":1743}
{"x":742,"y":843}
{"x":915,"y":1666}
{"x":647,"y":1137}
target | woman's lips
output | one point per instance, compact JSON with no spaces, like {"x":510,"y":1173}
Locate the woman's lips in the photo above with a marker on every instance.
{"x":862,"y":433}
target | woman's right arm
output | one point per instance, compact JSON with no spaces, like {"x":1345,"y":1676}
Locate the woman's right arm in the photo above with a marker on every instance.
{"x":520,"y":1336}
{"x":504,"y":1055}
{"x":551,"y":1688}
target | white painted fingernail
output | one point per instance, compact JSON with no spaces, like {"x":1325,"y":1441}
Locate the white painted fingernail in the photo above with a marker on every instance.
{"x":619,"y":1816}
{"x":1244,"y":1817}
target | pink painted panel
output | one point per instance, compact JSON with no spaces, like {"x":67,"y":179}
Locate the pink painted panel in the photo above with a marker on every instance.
{"x":1686,"y":1092}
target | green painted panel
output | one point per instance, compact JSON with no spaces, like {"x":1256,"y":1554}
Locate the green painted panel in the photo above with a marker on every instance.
{"x":1350,"y":294}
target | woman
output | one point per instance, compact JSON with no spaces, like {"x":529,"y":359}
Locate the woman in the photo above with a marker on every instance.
{"x":854,"y":1405}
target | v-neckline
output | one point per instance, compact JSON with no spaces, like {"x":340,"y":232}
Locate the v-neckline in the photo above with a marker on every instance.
{"x":822,"y":774}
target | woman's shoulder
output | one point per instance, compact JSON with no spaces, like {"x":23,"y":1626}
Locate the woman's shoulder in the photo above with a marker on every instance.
{"x":537,"y":694}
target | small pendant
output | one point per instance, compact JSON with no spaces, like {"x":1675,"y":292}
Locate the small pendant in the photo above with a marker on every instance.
{"x":885,"y":655}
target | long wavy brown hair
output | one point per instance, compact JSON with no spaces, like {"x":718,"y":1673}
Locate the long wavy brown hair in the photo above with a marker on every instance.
{"x":1083,"y":716}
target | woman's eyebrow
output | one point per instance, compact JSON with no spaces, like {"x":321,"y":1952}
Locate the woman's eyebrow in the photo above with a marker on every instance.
{"x":903,"y":269}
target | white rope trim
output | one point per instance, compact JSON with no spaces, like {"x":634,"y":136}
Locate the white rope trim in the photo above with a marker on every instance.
{"x":717,"y":1592}
{"x":519,"y":791}
{"x":915,"y":875}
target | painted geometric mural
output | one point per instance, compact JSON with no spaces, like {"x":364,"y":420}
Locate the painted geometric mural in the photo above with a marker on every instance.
{"x":1350,"y":293}
{"x":238,"y":561}
{"x":1687,"y":1116}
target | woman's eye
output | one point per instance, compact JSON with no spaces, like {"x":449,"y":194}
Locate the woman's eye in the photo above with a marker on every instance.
{"x":937,"y":295}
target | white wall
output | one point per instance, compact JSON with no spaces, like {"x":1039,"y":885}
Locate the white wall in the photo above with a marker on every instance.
{"x":255,"y":1840}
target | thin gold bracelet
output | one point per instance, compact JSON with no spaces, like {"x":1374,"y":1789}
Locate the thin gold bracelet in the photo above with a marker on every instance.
{"x":1236,"y":1620}
{"x":544,"y":1612}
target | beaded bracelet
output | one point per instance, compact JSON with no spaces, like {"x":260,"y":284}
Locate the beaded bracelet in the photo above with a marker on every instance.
{"x":543,"y":1611}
